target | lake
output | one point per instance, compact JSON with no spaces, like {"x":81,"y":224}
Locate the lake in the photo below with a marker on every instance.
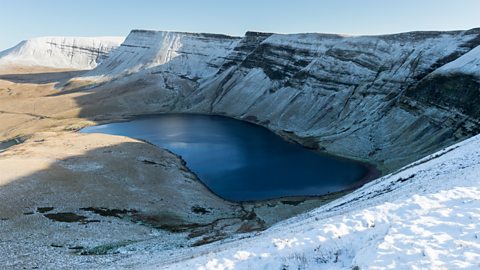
{"x":240,"y":161}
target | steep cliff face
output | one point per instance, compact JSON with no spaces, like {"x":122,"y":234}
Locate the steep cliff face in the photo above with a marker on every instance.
{"x":354,"y":96}
{"x":384,"y":99}
{"x":60,"y":52}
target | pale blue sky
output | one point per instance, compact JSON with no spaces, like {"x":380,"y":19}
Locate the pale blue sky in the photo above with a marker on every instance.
{"x":22,"y":19}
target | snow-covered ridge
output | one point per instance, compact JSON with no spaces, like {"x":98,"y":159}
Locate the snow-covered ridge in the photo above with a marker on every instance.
{"x":60,"y":52}
{"x":424,"y":216}
{"x":186,"y":54}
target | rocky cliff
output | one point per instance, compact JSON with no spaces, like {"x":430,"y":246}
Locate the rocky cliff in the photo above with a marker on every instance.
{"x":384,"y":99}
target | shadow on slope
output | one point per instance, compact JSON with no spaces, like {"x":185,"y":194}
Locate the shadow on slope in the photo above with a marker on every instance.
{"x":42,"y":78}
{"x":98,"y":195}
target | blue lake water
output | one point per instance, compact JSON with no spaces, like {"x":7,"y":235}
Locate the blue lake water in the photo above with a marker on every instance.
{"x":240,"y":161}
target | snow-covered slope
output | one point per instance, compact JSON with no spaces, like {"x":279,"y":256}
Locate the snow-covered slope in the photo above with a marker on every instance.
{"x":185,"y":54}
{"x":60,"y":52}
{"x":364,"y":97}
{"x":468,"y":63}
{"x":424,"y":216}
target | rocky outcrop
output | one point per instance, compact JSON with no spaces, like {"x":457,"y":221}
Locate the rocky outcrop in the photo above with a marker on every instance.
{"x":60,"y":52}
{"x":370,"y":98}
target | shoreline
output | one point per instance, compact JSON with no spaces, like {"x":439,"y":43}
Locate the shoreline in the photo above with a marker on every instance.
{"x":371,"y":173}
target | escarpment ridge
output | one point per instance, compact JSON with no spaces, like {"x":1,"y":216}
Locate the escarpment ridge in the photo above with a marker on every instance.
{"x":387,"y":99}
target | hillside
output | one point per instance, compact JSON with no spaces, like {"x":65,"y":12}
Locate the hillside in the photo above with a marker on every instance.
{"x":60,"y":52}
{"x":357,"y":97}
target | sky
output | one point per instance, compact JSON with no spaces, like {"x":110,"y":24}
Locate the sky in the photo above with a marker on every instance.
{"x":23,"y":19}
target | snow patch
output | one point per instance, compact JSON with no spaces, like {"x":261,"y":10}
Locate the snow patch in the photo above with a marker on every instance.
{"x":82,"y":167}
{"x":468,"y":63}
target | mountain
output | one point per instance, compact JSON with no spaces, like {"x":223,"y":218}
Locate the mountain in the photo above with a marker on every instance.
{"x":60,"y":52}
{"x":388,"y":100}
{"x":182,"y":54}
{"x":363,"y":97}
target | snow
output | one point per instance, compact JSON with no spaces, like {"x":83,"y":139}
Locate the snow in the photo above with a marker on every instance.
{"x":424,"y":216}
{"x":186,"y":54}
{"x":468,"y":63}
{"x":60,"y":52}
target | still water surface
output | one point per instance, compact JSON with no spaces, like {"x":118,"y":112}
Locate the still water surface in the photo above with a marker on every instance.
{"x":240,"y":161}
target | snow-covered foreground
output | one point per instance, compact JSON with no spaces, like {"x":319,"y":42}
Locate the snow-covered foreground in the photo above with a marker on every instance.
{"x":424,"y":216}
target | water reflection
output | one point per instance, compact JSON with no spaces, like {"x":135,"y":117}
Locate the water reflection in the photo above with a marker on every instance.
{"x":241,"y":161}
